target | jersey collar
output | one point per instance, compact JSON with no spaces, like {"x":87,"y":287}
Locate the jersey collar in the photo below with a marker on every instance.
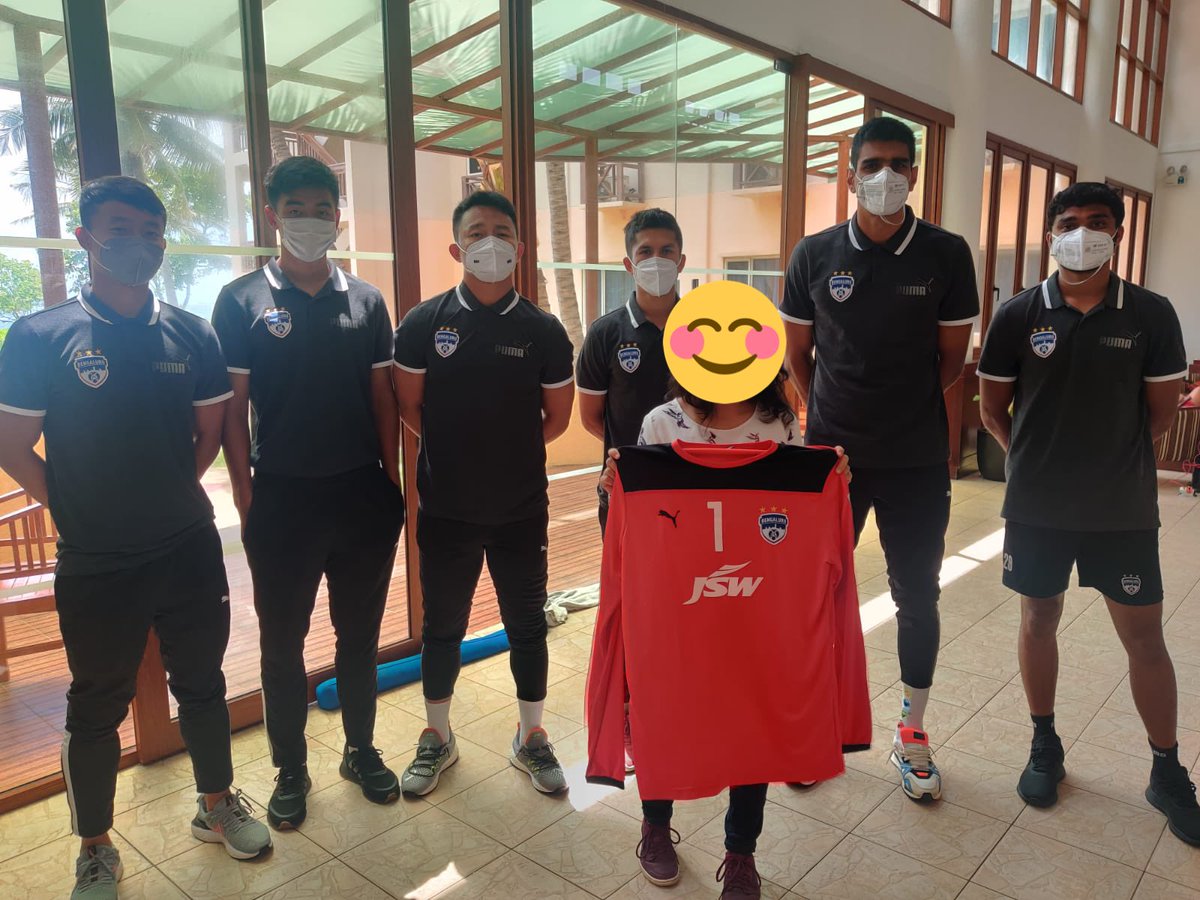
{"x":502,"y":307}
{"x":896,"y":244}
{"x":279,"y":280}
{"x":1114,"y":297}
{"x":724,"y":456}
{"x":147,"y":315}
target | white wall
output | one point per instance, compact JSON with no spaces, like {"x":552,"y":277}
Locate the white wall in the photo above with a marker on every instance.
{"x":1172,"y":264}
{"x":896,"y":45}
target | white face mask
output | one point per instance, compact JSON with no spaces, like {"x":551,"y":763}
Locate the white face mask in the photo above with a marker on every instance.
{"x":882,"y":194}
{"x":656,"y":276}
{"x":490,"y":259}
{"x":1082,"y":249}
{"x":308,"y":239}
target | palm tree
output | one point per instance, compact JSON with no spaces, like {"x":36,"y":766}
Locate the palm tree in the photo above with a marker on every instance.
{"x":560,"y":247}
{"x":173,"y":153}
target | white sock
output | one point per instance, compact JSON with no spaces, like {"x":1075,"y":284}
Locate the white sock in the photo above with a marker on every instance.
{"x":531,"y":716}
{"x":437,"y":716}
{"x":912,"y":707}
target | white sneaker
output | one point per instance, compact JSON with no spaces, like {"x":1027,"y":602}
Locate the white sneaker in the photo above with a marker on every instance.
{"x":919,"y":776}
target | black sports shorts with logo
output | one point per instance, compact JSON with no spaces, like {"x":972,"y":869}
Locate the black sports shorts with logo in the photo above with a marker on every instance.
{"x":1122,"y":565}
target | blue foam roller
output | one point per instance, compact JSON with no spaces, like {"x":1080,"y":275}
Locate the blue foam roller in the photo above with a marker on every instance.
{"x":404,"y":671}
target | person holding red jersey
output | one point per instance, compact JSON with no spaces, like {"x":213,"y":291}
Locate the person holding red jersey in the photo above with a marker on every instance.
{"x":765,"y":417}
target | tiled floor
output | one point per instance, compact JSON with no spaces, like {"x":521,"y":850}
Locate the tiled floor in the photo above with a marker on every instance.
{"x":485,"y":832}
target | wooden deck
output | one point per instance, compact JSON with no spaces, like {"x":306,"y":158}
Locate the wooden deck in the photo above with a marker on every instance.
{"x":33,"y":703}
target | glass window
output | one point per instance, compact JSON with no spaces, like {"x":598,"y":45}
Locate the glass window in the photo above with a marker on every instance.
{"x":939,"y":9}
{"x":1046,"y":38}
{"x":39,"y":197}
{"x":835,"y":114}
{"x":1129,"y":261}
{"x":1141,"y":61}
{"x":759,"y":273}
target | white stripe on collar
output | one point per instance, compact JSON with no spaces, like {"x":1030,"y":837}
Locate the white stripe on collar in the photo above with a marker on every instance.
{"x":504,"y":312}
{"x":1120,"y":292}
{"x":91,"y":310}
{"x":908,"y":238}
{"x":903,"y":244}
{"x":155,"y":314}
{"x":272,"y":270}
{"x":629,"y":309}
{"x":853,"y":239}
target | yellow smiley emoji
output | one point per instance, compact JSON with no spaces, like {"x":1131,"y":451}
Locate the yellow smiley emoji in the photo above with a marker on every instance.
{"x":724,"y":342}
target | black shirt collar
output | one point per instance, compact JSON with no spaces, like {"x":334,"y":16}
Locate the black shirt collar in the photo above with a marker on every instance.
{"x":637,"y":317}
{"x":279,"y":280}
{"x":896,"y":244}
{"x":97,"y":309}
{"x":501,"y":307}
{"x":1114,"y":297}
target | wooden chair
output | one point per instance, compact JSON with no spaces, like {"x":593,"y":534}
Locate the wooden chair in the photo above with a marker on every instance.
{"x":27,"y":540}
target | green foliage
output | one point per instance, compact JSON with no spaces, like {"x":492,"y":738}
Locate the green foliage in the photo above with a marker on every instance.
{"x":20,"y":288}
{"x":178,"y":155}
{"x":3,"y":335}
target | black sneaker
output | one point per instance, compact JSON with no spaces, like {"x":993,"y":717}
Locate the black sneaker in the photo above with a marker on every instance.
{"x":1039,"y":782}
{"x":287,"y":808}
{"x":365,"y":768}
{"x":1174,"y":796}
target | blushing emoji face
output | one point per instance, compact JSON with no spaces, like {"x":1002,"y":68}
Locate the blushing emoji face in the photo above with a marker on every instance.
{"x":724,"y":342}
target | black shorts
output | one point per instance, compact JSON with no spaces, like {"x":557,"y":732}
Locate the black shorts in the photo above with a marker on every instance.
{"x":1122,"y":565}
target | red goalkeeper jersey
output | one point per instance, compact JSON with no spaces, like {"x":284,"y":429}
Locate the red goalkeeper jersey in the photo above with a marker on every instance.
{"x":729,"y":612}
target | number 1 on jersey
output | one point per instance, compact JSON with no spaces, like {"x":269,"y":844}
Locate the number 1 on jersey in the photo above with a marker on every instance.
{"x":718,"y":528}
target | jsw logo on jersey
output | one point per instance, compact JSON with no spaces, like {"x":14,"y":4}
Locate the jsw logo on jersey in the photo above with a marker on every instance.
{"x":722,"y":583}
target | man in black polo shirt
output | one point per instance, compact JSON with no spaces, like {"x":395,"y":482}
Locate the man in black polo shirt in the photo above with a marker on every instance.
{"x":309,"y":350}
{"x":622,"y":372}
{"x":484,"y":378}
{"x":886,"y":300}
{"x":1092,"y":366}
{"x":129,"y":394}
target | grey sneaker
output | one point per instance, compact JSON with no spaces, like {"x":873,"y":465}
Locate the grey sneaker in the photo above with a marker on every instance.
{"x":536,"y":758}
{"x":232,"y":824}
{"x":432,"y":759}
{"x":97,"y":872}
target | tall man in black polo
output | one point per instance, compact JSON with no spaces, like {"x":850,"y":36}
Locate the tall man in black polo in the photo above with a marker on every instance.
{"x":129,"y":394}
{"x":309,"y":350}
{"x":1092,"y":366}
{"x":886,"y":300}
{"x":622,"y":371}
{"x":484,"y":377}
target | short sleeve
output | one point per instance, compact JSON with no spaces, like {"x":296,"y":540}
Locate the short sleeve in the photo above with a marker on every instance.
{"x":1001,"y":356}
{"x":411,"y":341}
{"x":1166,"y":359}
{"x":592,"y":372}
{"x":797,"y":305}
{"x":233,"y":331}
{"x":212,"y":379}
{"x":558,"y":357}
{"x":960,"y":303}
{"x":24,"y":373}
{"x":382,"y":357}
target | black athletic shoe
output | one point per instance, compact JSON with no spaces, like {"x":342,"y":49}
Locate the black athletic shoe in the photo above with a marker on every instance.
{"x":287,"y":808}
{"x":365,"y":768}
{"x":1038,"y":785}
{"x":1174,"y":796}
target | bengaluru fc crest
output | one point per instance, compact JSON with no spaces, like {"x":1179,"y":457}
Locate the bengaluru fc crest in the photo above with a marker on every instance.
{"x":773,"y":527}
{"x":91,"y":366}
{"x":630,"y":357}
{"x":1131,"y":584}
{"x":841,"y":286}
{"x":445,"y":341}
{"x":278,"y":321}
{"x":1043,"y":341}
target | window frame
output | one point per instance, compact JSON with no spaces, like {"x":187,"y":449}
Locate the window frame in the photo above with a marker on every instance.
{"x":1065,"y":9}
{"x":945,"y":14}
{"x":1124,"y":267}
{"x":1153,"y":72}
